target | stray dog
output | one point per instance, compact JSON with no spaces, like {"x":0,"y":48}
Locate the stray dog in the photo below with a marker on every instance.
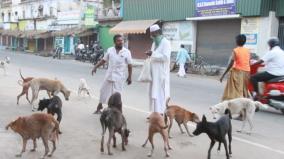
{"x":157,"y":125}
{"x":53,"y":86}
{"x":53,"y":106}
{"x":115,"y":101}
{"x":244,"y":106}
{"x":3,"y":64}
{"x":25,"y":91}
{"x":38,"y":125}
{"x":217,"y":132}
{"x":181,"y":116}
{"x":83,"y":87}
{"x":113,"y":120}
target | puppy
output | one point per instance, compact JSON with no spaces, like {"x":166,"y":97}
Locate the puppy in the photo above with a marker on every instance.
{"x":217,"y":132}
{"x":113,"y":120}
{"x":83,"y":87}
{"x":53,"y":106}
{"x":4,"y":63}
{"x":244,"y":106}
{"x":181,"y":116}
{"x":157,"y":125}
{"x":53,"y":86}
{"x":38,"y":125}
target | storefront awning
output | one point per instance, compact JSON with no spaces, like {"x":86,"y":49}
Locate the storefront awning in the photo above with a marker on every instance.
{"x":14,"y":33}
{"x":132,"y":27}
{"x":70,"y":31}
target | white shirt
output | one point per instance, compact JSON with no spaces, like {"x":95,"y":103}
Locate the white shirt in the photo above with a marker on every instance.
{"x":274,"y":61}
{"x":117,"y":63}
{"x":81,"y":46}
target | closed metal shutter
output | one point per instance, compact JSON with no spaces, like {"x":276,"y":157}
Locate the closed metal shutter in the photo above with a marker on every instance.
{"x":139,"y":44}
{"x":281,"y":32}
{"x":216,"y":40}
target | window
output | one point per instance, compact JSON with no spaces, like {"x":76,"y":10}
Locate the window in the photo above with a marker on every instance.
{"x":9,"y":17}
{"x":3,"y":16}
{"x":24,"y":14}
{"x":40,"y":10}
{"x":51,"y":11}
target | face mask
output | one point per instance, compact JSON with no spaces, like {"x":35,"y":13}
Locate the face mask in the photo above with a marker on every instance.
{"x":157,"y":40}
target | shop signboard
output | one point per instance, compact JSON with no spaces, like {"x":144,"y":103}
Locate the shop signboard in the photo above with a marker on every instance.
{"x":90,"y":16}
{"x":250,"y":27}
{"x":178,"y":33}
{"x":214,"y":7}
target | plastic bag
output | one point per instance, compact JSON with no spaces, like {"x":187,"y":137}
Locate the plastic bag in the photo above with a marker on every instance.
{"x":145,"y":75}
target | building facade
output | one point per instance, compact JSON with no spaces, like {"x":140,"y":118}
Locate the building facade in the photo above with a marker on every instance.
{"x":208,"y":28}
{"x":40,"y":25}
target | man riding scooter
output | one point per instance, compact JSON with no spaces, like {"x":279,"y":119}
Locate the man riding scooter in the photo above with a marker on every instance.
{"x":274,"y":66}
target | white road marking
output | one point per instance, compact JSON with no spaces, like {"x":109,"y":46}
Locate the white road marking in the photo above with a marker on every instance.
{"x":234,"y":138}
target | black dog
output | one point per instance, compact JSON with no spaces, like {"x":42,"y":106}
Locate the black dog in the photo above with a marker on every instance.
{"x":217,"y":132}
{"x":53,"y":105}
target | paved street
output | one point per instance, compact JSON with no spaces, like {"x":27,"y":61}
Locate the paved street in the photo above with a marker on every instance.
{"x":82,"y":131}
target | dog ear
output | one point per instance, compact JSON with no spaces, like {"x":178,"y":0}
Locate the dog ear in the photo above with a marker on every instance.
{"x":204,"y":118}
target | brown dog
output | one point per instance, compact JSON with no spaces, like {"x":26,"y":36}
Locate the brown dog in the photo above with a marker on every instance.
{"x":38,"y":125}
{"x":181,"y":116}
{"x":25,"y":90}
{"x":53,"y":86}
{"x":157,"y":125}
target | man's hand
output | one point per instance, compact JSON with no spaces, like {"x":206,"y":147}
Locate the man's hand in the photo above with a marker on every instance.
{"x":129,"y":81}
{"x":149,"y":52}
{"x":221,"y":79}
{"x":94,"y":70}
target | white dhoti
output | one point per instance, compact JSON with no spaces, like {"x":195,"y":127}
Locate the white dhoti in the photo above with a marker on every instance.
{"x":157,"y":103}
{"x":108,"y":88}
{"x":181,"y":71}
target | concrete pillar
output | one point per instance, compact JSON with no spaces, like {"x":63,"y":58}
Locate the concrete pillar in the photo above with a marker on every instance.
{"x":36,"y":45}
{"x":44,"y":47}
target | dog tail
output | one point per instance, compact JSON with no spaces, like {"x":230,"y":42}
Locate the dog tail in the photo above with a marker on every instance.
{"x":21,"y":82}
{"x":104,"y":119}
{"x":228,"y":112}
{"x":56,"y":129}
{"x":167,"y":102}
{"x":21,"y":75}
{"x":259,"y":105}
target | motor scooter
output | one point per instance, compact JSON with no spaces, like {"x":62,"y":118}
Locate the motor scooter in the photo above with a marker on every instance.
{"x":272,"y":92}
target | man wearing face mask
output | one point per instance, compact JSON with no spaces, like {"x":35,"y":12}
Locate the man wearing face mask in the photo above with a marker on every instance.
{"x":118,"y":59}
{"x":159,"y":90}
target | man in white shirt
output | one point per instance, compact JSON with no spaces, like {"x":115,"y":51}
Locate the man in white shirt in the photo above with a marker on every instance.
{"x":274,"y":65}
{"x":118,"y":59}
{"x":81,"y":46}
{"x":160,"y":53}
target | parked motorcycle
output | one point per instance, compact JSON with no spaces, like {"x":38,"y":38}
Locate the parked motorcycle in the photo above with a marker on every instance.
{"x":273,"y":90}
{"x":98,"y":55}
{"x":57,"y":52}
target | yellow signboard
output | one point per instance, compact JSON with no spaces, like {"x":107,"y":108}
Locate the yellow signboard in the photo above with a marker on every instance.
{"x":22,"y":25}
{"x":13,"y":26}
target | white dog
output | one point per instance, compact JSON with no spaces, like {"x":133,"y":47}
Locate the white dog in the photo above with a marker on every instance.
{"x":83,"y":87}
{"x":3,"y":64}
{"x":244,"y":106}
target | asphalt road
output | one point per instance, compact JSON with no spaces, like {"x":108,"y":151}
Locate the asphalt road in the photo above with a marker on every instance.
{"x":82,"y":130}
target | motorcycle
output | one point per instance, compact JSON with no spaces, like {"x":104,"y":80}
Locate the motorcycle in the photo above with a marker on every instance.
{"x":273,"y":90}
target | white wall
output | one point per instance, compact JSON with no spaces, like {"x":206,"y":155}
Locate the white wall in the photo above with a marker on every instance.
{"x":268,"y":28}
{"x":264,"y":27}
